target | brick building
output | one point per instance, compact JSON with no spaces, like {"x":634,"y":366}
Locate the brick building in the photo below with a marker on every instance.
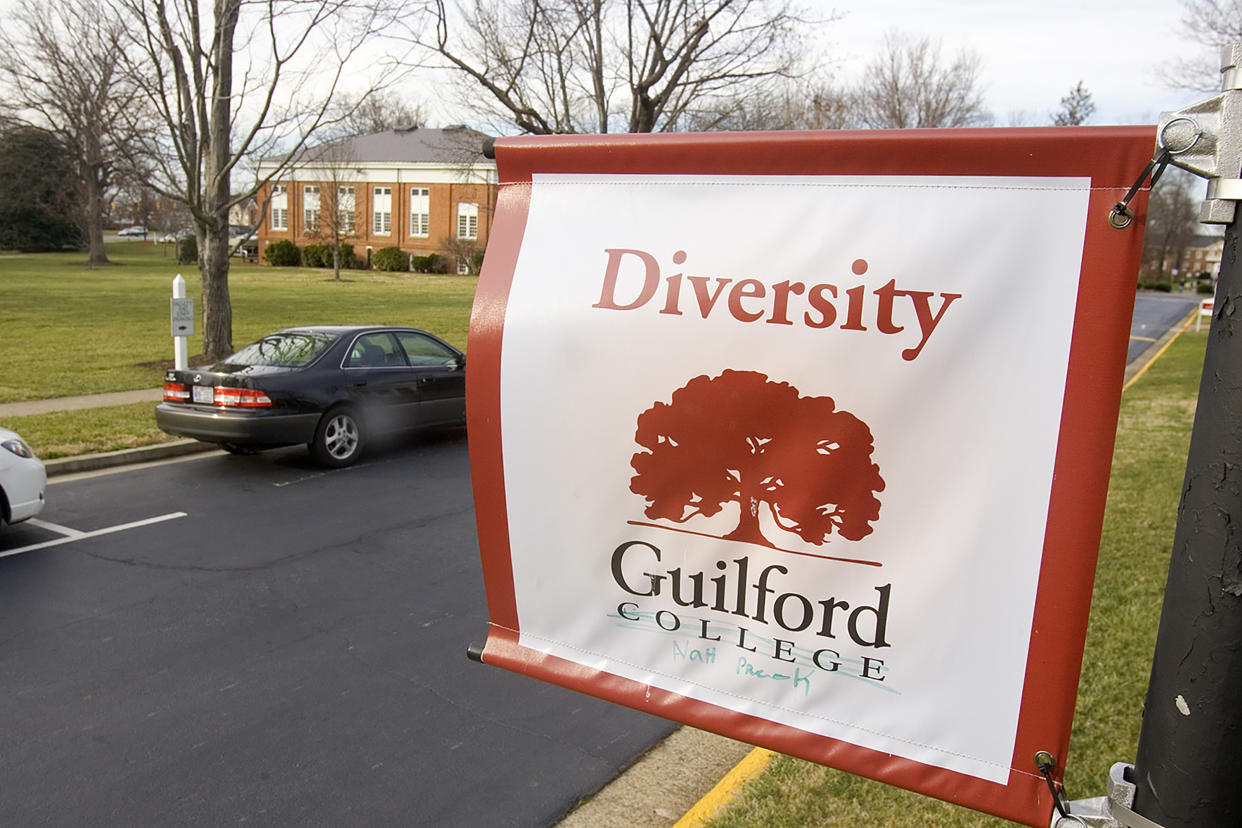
{"x":1203,"y":255}
{"x":422,"y":190}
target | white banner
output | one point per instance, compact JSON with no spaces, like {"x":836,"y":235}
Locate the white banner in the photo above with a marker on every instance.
{"x":785,"y":444}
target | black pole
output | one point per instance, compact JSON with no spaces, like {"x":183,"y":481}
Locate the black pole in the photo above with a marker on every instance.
{"x":1189,"y":756}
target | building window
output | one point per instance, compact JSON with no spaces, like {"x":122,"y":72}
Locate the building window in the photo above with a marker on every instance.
{"x":381,"y":211}
{"x":420,"y":212}
{"x":279,"y":208}
{"x":463,"y":265}
{"x":345,"y":210}
{"x":467,"y":221}
{"x":310,"y":208}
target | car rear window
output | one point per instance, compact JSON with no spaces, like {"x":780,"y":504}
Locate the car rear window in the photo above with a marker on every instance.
{"x":284,"y":350}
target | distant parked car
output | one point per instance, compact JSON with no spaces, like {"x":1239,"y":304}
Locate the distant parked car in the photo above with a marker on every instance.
{"x":136,"y":230}
{"x":176,"y":236}
{"x":331,"y":387}
{"x":22,"y":479}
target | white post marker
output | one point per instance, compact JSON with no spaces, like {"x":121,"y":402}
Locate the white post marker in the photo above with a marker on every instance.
{"x":182,"y":322}
{"x":1205,"y":309}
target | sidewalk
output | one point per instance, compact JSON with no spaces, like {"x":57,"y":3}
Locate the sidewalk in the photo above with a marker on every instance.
{"x":109,"y":459}
{"x":24,"y":409}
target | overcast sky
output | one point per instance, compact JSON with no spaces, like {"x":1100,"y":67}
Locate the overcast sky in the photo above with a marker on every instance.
{"x":1034,"y":51}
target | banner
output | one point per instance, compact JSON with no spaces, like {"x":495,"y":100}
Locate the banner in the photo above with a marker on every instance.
{"x":804,"y":438}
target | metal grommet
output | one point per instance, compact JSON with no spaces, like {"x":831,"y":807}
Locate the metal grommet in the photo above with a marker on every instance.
{"x":1198,"y":133}
{"x":1120,"y":219}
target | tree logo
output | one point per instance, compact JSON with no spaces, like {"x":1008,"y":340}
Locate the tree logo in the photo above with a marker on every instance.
{"x":742,"y":438}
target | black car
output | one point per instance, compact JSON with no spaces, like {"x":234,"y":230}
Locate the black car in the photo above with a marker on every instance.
{"x":331,"y":387}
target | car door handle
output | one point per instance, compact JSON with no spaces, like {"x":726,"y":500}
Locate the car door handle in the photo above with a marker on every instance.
{"x":360,"y":383}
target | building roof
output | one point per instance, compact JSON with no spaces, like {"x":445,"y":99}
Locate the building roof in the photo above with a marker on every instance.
{"x":1206,"y":240}
{"x":450,"y":145}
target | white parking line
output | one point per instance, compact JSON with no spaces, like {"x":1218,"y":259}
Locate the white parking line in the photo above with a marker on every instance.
{"x":55,"y":527}
{"x":72,"y":535}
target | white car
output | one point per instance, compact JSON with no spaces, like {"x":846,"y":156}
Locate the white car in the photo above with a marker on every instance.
{"x":22,"y":479}
{"x":136,"y":230}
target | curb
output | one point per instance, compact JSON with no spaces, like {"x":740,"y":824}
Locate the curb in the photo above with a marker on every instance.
{"x":719,"y":797}
{"x":124,"y":457}
{"x":1153,"y":352}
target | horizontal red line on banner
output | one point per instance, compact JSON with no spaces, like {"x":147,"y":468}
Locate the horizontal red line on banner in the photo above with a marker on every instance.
{"x":777,"y":548}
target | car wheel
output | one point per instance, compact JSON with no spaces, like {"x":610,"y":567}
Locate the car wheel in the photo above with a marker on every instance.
{"x":338,"y":439}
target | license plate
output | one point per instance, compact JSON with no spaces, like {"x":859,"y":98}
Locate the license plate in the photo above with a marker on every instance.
{"x":204,"y":394}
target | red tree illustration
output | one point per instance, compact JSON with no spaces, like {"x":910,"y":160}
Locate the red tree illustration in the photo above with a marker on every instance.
{"x":742,"y":438}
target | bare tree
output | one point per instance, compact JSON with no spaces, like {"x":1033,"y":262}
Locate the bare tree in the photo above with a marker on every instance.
{"x":784,"y":103}
{"x":337,"y":174}
{"x":233,"y":84}
{"x":909,"y":86}
{"x":1172,"y":218}
{"x":462,"y":253}
{"x":556,"y":66}
{"x":1076,"y":108}
{"x":62,"y":72}
{"x":1214,"y":24}
{"x":377,"y":113}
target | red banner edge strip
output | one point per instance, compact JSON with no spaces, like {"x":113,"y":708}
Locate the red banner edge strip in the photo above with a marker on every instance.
{"x":484,"y":351}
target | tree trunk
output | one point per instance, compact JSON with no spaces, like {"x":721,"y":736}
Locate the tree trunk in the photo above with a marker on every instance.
{"x":94,"y":217}
{"x":217,"y":190}
{"x":217,"y":308}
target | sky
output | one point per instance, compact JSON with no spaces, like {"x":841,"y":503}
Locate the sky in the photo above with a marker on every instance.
{"x":1035,"y":51}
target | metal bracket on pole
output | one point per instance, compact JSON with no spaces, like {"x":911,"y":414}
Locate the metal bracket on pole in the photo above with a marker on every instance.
{"x":1206,"y":139}
{"x":1112,"y":811}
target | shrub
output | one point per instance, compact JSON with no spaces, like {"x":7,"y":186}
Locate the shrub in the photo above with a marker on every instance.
{"x":187,"y":250}
{"x":1205,"y":287}
{"x":320,"y":255}
{"x":435,"y":263}
{"x":282,"y":254}
{"x":348,"y":257}
{"x":390,"y":258}
{"x":316,"y":255}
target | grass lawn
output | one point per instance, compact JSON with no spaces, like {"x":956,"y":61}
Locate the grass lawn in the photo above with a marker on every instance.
{"x":1153,"y":435}
{"x":90,"y":430}
{"x":68,"y":329}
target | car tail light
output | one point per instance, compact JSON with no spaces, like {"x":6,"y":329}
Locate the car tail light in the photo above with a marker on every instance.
{"x":241,"y":397}
{"x":176,"y":392}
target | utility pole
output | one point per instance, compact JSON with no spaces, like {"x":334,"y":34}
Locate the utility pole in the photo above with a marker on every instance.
{"x":1190,"y":747}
